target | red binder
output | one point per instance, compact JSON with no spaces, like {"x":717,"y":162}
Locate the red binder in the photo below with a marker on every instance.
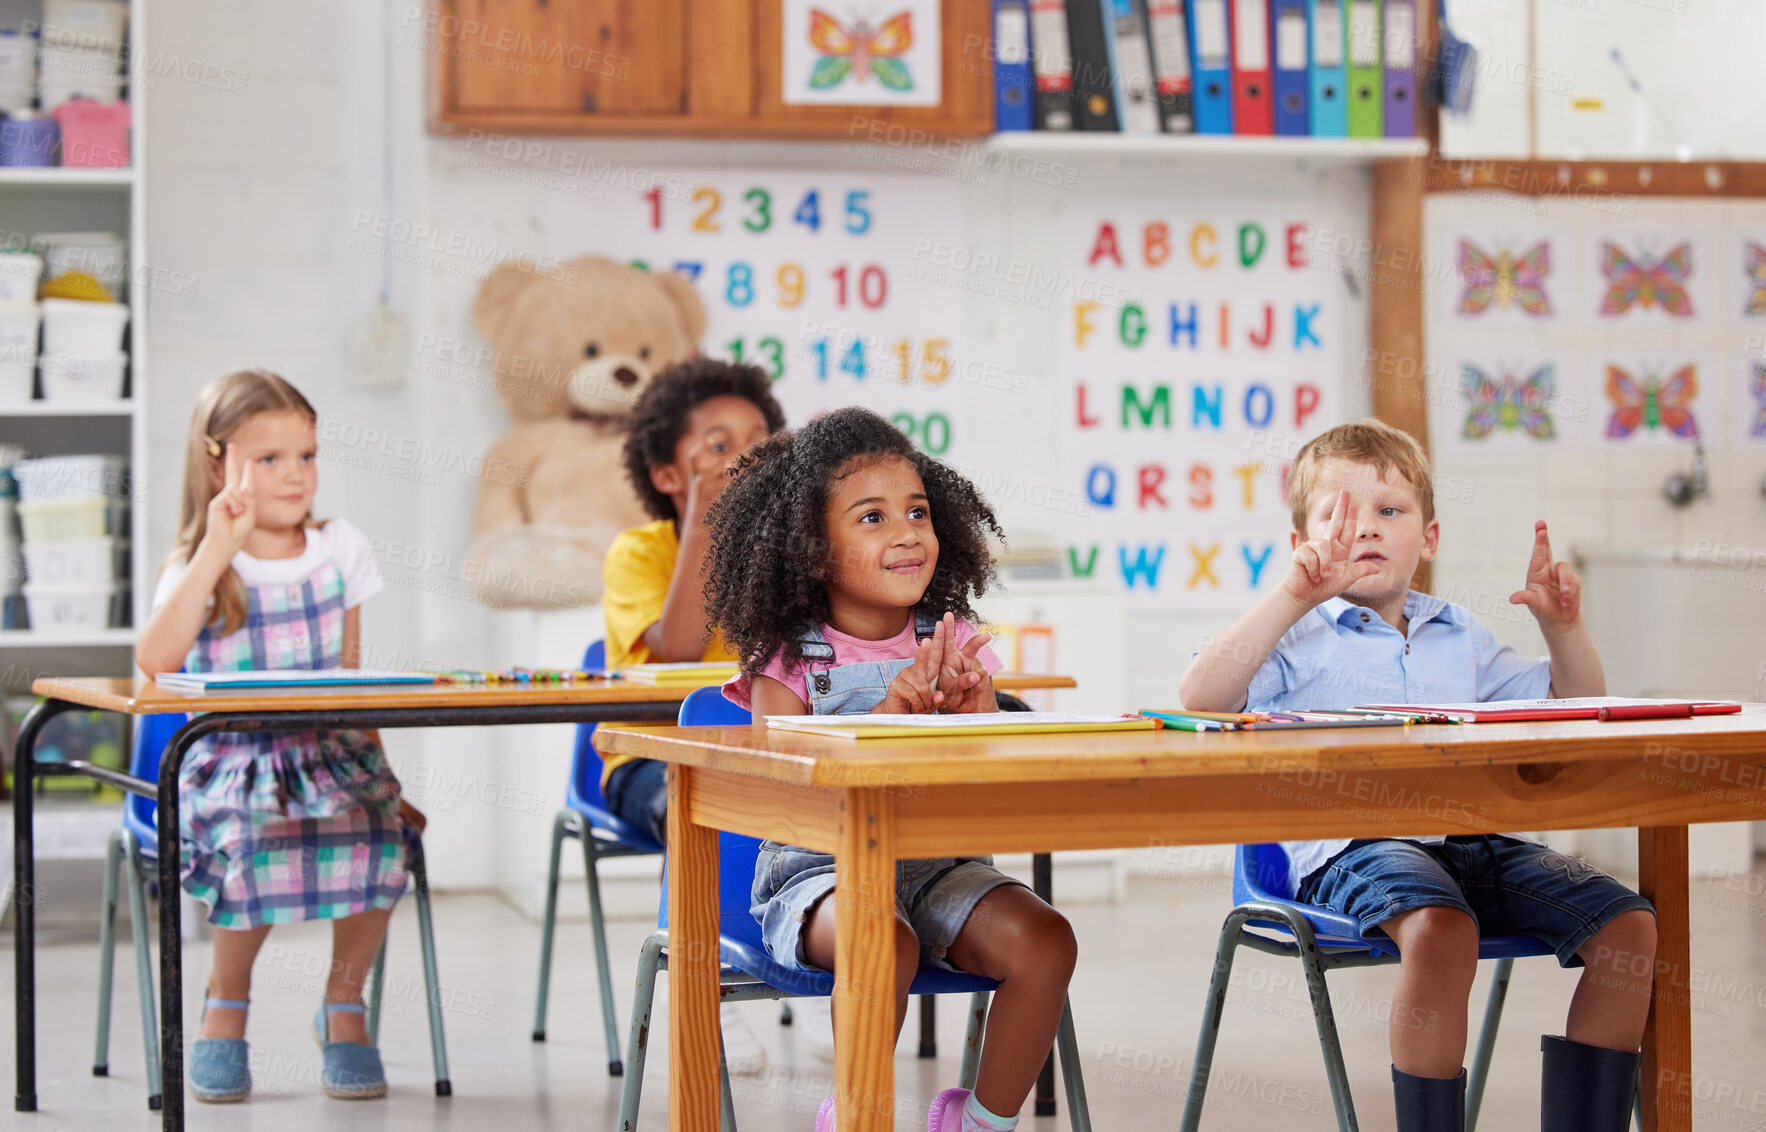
{"x":1253,"y":110}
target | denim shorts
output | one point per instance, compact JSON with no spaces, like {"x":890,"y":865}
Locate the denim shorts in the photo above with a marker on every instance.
{"x":935,"y":897}
{"x":637,"y":794}
{"x":1507,"y":887}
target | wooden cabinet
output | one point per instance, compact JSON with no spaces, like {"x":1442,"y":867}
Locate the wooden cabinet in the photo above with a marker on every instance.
{"x":663,"y":67}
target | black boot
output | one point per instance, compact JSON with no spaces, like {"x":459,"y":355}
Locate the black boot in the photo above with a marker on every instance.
{"x":1585,"y":1088}
{"x":1429,"y":1104}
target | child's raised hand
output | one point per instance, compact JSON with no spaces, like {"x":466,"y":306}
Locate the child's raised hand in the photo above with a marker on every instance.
{"x":915,"y":690}
{"x":233,"y":512}
{"x":1553,"y":591}
{"x":965,"y":681}
{"x":1323,"y":567}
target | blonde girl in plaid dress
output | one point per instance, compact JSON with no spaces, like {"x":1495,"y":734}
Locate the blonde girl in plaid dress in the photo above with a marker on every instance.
{"x":283,"y":827}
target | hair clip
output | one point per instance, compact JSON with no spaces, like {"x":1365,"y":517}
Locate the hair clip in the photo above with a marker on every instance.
{"x":213,"y":446}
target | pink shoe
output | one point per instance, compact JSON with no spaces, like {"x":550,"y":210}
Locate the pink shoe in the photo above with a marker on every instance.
{"x":947,"y":1111}
{"x":825,"y":1116}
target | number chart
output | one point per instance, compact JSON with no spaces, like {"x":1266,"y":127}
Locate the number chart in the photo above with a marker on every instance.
{"x":1183,"y":404}
{"x":809,"y":275}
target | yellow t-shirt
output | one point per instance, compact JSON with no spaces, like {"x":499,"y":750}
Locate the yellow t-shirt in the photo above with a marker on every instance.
{"x":640,"y":565}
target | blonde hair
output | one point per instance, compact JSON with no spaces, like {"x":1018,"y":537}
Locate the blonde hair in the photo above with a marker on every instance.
{"x":222,"y":408}
{"x":1364,"y":442}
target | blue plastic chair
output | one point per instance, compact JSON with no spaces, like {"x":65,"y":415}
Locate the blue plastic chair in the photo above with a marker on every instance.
{"x":747,"y":972}
{"x":585,"y":816}
{"x":1267,"y":918}
{"x":135,"y":845}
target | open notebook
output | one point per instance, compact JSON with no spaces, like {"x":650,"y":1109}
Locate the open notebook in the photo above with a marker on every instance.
{"x":289,"y":678}
{"x":886,"y":726}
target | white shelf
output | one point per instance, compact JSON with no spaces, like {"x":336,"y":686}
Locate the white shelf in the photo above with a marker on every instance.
{"x":1211,"y":146}
{"x":94,"y":638}
{"x":68,"y":409}
{"x":59,"y":176}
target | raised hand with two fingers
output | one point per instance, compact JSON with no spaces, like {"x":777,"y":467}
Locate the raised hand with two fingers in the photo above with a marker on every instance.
{"x":965,"y":681}
{"x":1553,"y":591}
{"x":233,"y":512}
{"x":1324,"y":567}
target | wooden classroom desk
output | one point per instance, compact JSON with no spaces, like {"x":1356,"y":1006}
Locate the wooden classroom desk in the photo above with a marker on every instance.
{"x":270,"y":709}
{"x":871,"y":802}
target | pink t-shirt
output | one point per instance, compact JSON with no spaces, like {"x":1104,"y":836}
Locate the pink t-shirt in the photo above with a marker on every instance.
{"x":852,"y":650}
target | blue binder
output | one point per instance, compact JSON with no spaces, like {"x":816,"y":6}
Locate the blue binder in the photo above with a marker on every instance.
{"x":1013,"y":85}
{"x":1288,"y":37}
{"x":1328,"y":105}
{"x":1211,"y":51}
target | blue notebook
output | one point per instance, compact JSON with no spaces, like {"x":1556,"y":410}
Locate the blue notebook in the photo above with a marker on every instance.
{"x":288,"y":678}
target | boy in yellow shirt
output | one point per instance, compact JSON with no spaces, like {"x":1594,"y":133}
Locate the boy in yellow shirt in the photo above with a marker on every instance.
{"x":687,"y":430}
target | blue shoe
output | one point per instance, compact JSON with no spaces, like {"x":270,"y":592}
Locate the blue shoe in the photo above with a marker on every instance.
{"x":219,"y":1070}
{"x":352,"y":1070}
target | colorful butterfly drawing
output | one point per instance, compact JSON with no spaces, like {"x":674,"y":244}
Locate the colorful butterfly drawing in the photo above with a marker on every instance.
{"x":860,"y":51}
{"x":1507,"y":404}
{"x":1757,"y":386}
{"x":1652,"y":403}
{"x":1755,"y":255}
{"x":1646,"y":283}
{"x":1506,"y":279}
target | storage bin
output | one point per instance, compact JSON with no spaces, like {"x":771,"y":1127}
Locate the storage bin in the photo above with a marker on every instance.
{"x":71,"y":609}
{"x":102,"y":255}
{"x":18,"y":328}
{"x":27,"y":140}
{"x":19,"y":273}
{"x":94,"y":135}
{"x":50,"y":478}
{"x":89,"y":562}
{"x":77,"y":377}
{"x":18,"y":376}
{"x":85,"y":23}
{"x":73,"y":326}
{"x":73,"y":518}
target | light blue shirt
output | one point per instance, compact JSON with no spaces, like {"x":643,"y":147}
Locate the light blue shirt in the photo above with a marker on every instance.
{"x":1342,"y":655}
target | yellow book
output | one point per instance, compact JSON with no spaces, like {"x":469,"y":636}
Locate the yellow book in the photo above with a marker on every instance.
{"x":886,"y":726}
{"x":697,"y":673}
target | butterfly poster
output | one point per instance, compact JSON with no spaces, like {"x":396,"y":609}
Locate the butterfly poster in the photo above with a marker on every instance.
{"x":1500,"y":402}
{"x":1633,"y":278}
{"x":1753,"y":262}
{"x":1503,"y":279}
{"x":1754,"y":402}
{"x":862,"y":52}
{"x":1650,"y":402}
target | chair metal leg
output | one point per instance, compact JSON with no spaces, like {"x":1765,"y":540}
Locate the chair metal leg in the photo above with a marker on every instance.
{"x":1067,"y":1042}
{"x":560,"y":823}
{"x":138,"y":928}
{"x":1212,"y":1009}
{"x":438,"y":1043}
{"x":1042,"y":882}
{"x":726,"y":1105}
{"x":374,"y":993}
{"x":972,"y":1040}
{"x":638,"y":1040}
{"x":928,"y":1027}
{"x":1480,"y":1070}
{"x":107,"y":936}
{"x":599,"y":926}
{"x":1325,"y":1018}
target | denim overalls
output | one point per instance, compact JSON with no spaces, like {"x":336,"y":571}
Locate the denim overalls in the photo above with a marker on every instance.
{"x":935,"y":896}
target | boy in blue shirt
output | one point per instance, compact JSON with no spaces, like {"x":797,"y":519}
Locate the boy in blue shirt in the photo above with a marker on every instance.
{"x":1344,"y":628}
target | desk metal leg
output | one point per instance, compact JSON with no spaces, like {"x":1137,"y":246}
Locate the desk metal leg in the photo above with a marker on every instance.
{"x":24,"y":903}
{"x":864,"y":962}
{"x":1042,"y":883}
{"x":1667,"y":1037}
{"x":694,"y":1038}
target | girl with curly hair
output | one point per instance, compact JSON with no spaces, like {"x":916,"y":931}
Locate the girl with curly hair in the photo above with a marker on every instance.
{"x":843,"y":562}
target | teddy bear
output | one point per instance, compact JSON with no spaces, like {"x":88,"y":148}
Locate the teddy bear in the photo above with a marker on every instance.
{"x":574,"y":343}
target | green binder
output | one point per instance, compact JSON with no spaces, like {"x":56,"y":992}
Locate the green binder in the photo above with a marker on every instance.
{"x":1366,"y":83}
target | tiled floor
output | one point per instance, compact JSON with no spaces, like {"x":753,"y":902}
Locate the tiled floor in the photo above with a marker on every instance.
{"x":1137,"y":997}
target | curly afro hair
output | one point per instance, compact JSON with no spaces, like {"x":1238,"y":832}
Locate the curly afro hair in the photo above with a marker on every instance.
{"x":766,"y":580}
{"x":660,"y":417}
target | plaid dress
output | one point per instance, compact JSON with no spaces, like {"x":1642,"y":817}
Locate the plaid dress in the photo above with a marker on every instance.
{"x":288,"y":826}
